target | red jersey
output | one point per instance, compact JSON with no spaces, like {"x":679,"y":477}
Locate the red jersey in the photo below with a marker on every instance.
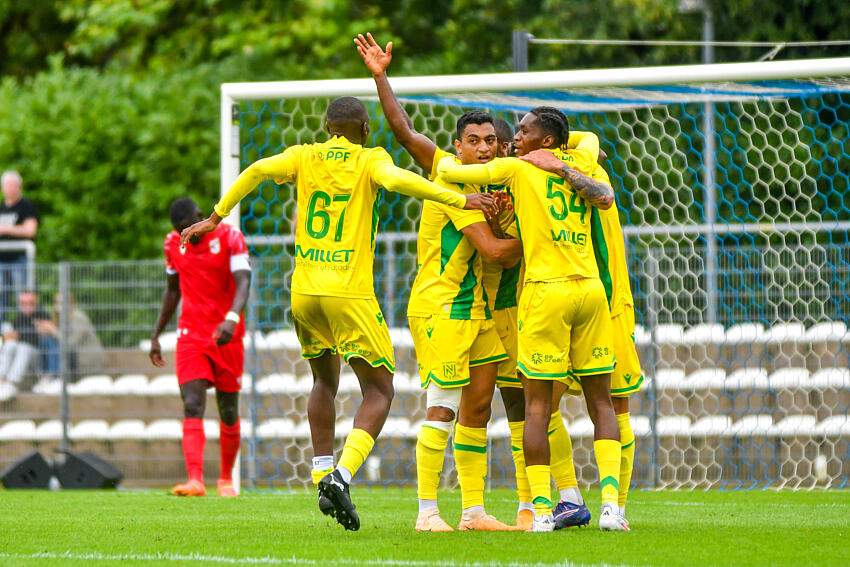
{"x":206,"y":281}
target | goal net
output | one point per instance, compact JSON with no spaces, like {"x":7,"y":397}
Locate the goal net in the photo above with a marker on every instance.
{"x":732,"y":184}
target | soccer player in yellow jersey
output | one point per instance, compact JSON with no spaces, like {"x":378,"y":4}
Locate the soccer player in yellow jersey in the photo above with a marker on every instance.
{"x":334,"y":308}
{"x":564,"y":319}
{"x":457,"y":345}
{"x":610,"y":252}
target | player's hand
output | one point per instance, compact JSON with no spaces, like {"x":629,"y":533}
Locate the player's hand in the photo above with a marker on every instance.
{"x":503,"y":200}
{"x":196,"y":230}
{"x":484,"y":202}
{"x":224,"y":332}
{"x":156,"y":353}
{"x":602,"y":156}
{"x":375,"y":58}
{"x":544,"y":159}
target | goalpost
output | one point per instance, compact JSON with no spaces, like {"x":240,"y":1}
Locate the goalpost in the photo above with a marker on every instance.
{"x":732,"y":182}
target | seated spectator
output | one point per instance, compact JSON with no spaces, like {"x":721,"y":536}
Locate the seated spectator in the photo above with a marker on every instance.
{"x":31,"y":332}
{"x":86,"y":351}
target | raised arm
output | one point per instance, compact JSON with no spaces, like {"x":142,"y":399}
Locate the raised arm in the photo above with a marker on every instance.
{"x":420,"y":147}
{"x":589,"y":141}
{"x":596,"y":193}
{"x":408,"y":183}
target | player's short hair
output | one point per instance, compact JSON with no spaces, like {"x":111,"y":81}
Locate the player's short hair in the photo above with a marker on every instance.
{"x":553,"y":122}
{"x":182,"y":210}
{"x":472,"y":117}
{"x":504,"y":132}
{"x":346,"y":109}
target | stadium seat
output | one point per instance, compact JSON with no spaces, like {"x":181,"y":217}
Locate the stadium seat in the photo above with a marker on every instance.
{"x":831,"y":378}
{"x":275,"y":428}
{"x":706,"y":333}
{"x":255,"y":340}
{"x":283,"y":383}
{"x":167,"y":342}
{"x":127,"y":429}
{"x":747,"y":379}
{"x":669,"y":333}
{"x":827,"y":331}
{"x":673,"y":425}
{"x":670,"y":378}
{"x":164,"y":385}
{"x":50,"y":430}
{"x":785,"y":333}
{"x":348,"y":383}
{"x":405,"y":384}
{"x":164,"y":429}
{"x":343,"y":427}
{"x":711,"y":426}
{"x":642,"y":336}
{"x":744,"y":333}
{"x":211,"y":429}
{"x":751,"y":425}
{"x":130,"y":384}
{"x":7,"y":391}
{"x":788,"y":378}
{"x":582,"y":427}
{"x":834,"y":426}
{"x":706,"y":379}
{"x":401,"y":338}
{"x":99,"y":384}
{"x":499,"y":429}
{"x":17,"y":430}
{"x":640,"y":425}
{"x":793,"y":425}
{"x":48,"y":387}
{"x":96,"y":429}
{"x":396,"y":427}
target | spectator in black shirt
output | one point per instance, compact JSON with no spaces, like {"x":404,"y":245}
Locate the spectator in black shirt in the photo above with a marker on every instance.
{"x":18,"y":222}
{"x":32,"y":331}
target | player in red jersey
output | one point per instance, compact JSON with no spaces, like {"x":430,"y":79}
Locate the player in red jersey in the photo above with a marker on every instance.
{"x":213,"y":277}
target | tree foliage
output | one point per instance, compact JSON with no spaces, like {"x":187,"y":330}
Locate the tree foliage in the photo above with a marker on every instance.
{"x":109,"y":108}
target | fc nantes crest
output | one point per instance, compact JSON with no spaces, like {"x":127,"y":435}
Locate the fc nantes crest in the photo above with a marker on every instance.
{"x":449,"y":370}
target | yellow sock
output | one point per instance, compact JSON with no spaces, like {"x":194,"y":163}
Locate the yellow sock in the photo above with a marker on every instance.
{"x":627,"y":455}
{"x":541,"y":488}
{"x":607,"y":453}
{"x":561,"y":451}
{"x":357,"y":446}
{"x":430,"y":449}
{"x":319,"y":474}
{"x":523,"y":489}
{"x":470,"y":447}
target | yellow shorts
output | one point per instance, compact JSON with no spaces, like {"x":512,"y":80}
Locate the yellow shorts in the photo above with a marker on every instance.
{"x":563,"y":326}
{"x":347,"y":327}
{"x":447,"y":348}
{"x":627,"y":377}
{"x":506,"y":325}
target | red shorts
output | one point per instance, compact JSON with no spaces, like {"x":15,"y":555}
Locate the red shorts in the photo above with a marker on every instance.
{"x":201,"y":359}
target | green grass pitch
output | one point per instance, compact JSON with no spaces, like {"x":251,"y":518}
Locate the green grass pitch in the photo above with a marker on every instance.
{"x":42,"y":528}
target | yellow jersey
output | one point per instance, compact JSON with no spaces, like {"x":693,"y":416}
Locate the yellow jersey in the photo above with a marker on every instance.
{"x":610,"y":249}
{"x":552,"y":220}
{"x":337,"y":185}
{"x":448,"y":281}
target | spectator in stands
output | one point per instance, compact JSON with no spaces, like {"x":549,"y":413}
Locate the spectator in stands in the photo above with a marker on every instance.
{"x":18,"y":222}
{"x":30,"y":333}
{"x":87,"y":354}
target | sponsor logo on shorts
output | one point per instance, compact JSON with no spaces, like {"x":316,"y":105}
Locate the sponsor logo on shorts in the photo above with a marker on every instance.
{"x":350,"y":347}
{"x":538,"y":358}
{"x":628,"y":377}
{"x":599,"y":352}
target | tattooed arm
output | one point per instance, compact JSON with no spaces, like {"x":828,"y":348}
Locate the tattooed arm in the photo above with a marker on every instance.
{"x":596,"y":193}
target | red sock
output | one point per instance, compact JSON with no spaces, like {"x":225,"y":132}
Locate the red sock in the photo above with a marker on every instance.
{"x":229,"y":440}
{"x":193,"y":447}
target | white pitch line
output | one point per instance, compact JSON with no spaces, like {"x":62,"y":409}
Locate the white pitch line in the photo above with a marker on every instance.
{"x":197,"y":557}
